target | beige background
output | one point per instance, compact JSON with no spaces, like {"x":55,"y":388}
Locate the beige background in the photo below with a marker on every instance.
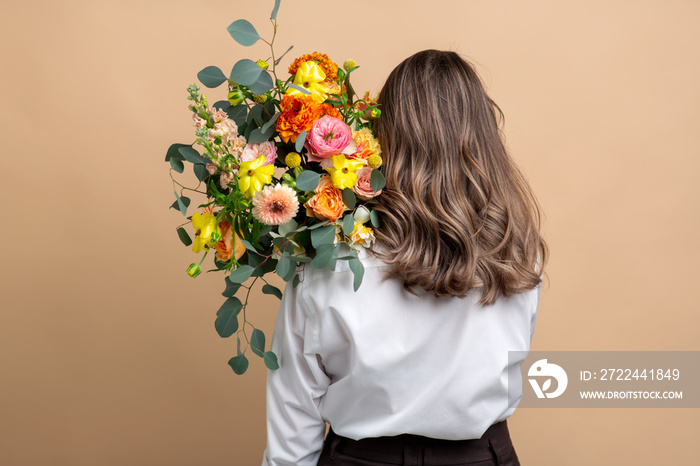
{"x":108,"y":353}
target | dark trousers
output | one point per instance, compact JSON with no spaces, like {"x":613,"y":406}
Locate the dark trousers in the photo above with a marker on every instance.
{"x":493,"y":448}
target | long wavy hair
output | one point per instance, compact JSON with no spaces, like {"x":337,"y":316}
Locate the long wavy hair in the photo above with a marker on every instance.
{"x":456,"y":212}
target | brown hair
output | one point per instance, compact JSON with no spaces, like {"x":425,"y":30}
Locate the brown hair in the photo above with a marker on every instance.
{"x":456,"y":212}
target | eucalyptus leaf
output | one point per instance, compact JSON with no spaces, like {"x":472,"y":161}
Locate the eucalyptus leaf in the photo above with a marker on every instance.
{"x":277,"y":62}
{"x":231,"y":288}
{"x":296,"y":281}
{"x":323,"y":256}
{"x":238,"y":345}
{"x":173,"y":151}
{"x":270,"y":359}
{"x":288,"y":227}
{"x":238,"y":114}
{"x":258,"y":135}
{"x":245,"y":72}
{"x":247,"y":245}
{"x":374,"y":218}
{"x":349,"y":198}
{"x":243,"y":32}
{"x":184,"y":237}
{"x":257,"y":342}
{"x":192,"y":156}
{"x":308,"y":180}
{"x":226,"y":323}
{"x":273,"y":290}
{"x":358,"y":271}
{"x":241,"y":274}
{"x":239,"y":364}
{"x":348,"y":224}
{"x":299,"y":145}
{"x":182,"y":202}
{"x":273,"y":15}
{"x":222,"y":105}
{"x":270,"y":122}
{"x":262,"y":84}
{"x":325,"y":235}
{"x":177,"y":165}
{"x":303,"y":90}
{"x":284,"y":266}
{"x":211,"y":76}
{"x":200,"y":171}
{"x":376,"y":180}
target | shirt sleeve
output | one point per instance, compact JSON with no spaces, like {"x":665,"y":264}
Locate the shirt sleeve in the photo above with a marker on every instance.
{"x":295,"y":428}
{"x":533,"y":318}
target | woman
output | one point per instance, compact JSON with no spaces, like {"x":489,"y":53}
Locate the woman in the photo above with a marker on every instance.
{"x":411,"y":368}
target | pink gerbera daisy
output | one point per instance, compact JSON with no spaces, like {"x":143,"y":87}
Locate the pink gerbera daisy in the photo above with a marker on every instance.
{"x":275,"y":205}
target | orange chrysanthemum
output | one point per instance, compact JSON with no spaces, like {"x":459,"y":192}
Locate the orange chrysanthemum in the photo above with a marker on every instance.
{"x":330,"y":110}
{"x":298,"y":114}
{"x":367,"y":144}
{"x":326,"y":64}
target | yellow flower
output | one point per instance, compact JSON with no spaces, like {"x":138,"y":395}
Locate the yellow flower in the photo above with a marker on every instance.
{"x":205,"y":226}
{"x":362,"y":235}
{"x":253,"y":175}
{"x":374,"y":161}
{"x":293,"y":160}
{"x":310,"y":76}
{"x":343,"y":171}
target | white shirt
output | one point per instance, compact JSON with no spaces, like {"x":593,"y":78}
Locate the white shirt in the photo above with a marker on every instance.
{"x":382,"y":361}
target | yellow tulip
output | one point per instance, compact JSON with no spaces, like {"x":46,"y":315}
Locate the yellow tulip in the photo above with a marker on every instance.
{"x":310,"y":76}
{"x":343,"y":171}
{"x":253,"y":175}
{"x":206,"y":229}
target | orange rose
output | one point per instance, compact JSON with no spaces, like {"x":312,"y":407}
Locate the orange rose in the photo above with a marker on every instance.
{"x":327,"y":203}
{"x":224,"y":248}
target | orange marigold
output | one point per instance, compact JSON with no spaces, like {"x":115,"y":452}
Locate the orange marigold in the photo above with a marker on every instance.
{"x":298,"y":114}
{"x":330,"y":110}
{"x":326,"y":64}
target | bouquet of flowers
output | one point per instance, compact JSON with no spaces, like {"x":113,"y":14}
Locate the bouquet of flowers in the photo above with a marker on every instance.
{"x":289,"y":168}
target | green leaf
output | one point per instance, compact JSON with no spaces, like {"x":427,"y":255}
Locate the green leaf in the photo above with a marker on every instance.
{"x":222,"y":105}
{"x":200,"y":171}
{"x":177,"y":165}
{"x":287,"y":228}
{"x":308,"y":180}
{"x":376,"y":180}
{"x":238,"y":345}
{"x":270,"y":359}
{"x":211,"y":76}
{"x":173,"y":151}
{"x":296,"y":281}
{"x":176,"y":205}
{"x":241,"y":274}
{"x":248,"y":246}
{"x":358,"y":271}
{"x":303,"y":90}
{"x":273,"y":15}
{"x":271,"y":122}
{"x":239,"y":364}
{"x":243,"y":32}
{"x":299,"y":145}
{"x":245,"y":72}
{"x":273,"y":290}
{"x":192,"y":156}
{"x":238,"y":114}
{"x":349,"y":198}
{"x":325,"y":235}
{"x":257,"y":342}
{"x":277,"y":62}
{"x":348,"y":224}
{"x":226,"y":323}
{"x":184,"y":237}
{"x":284,"y":266}
{"x":258,"y":135}
{"x":374,"y":218}
{"x":231,"y":288}
{"x":262,"y":84}
{"x":182,"y":203}
{"x":323,"y":256}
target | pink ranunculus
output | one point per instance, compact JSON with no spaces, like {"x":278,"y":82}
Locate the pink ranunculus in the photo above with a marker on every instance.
{"x":363,"y":188}
{"x":329,"y":136}
{"x":254,"y":150}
